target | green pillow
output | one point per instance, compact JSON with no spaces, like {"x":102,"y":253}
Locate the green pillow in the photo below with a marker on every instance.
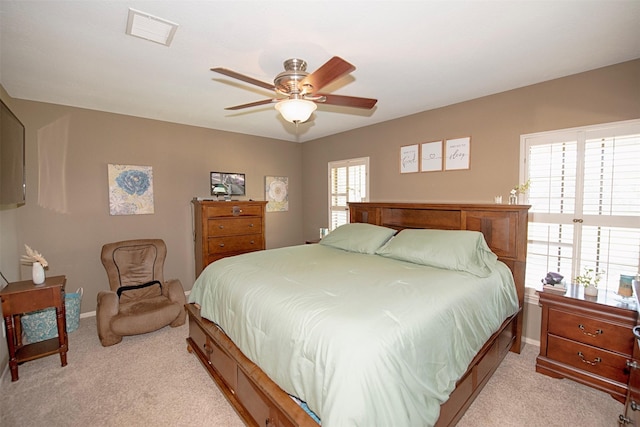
{"x":460,"y":250}
{"x":358,"y":237}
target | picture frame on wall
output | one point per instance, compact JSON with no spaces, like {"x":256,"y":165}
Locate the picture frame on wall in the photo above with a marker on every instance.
{"x":431,"y":156}
{"x":457,"y":153}
{"x":409,"y":158}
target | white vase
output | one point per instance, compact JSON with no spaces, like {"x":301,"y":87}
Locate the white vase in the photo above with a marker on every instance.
{"x":591,"y":291}
{"x":37,"y":273}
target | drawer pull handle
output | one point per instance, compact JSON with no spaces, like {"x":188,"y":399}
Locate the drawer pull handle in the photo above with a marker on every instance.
{"x":221,"y":245}
{"x":250,"y":225}
{"x":594,"y":363}
{"x":253,"y":242}
{"x":598,"y":331}
{"x":221,"y":227}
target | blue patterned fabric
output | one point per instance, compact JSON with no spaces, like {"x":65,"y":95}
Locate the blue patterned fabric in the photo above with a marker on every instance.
{"x":41,"y":325}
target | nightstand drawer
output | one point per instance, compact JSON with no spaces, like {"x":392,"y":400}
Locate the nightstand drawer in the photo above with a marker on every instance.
{"x":587,"y":330}
{"x":587,"y":358}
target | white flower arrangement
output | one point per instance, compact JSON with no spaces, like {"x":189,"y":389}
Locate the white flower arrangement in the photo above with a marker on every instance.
{"x":522,"y":188}
{"x":33,"y":256}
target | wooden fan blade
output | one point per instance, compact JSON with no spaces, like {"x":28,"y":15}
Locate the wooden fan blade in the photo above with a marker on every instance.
{"x":348,"y":101}
{"x":253,"y":104}
{"x":247,"y":79}
{"x":333,"y":69}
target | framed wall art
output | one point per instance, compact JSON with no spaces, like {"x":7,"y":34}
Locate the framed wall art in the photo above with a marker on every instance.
{"x":276,"y":189}
{"x":431,"y":156}
{"x":457,"y":153}
{"x":409,"y":158}
{"x":130,"y":190}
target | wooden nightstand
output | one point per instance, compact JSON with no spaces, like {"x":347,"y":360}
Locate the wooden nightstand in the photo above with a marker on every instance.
{"x":24,"y":297}
{"x":587,"y":339}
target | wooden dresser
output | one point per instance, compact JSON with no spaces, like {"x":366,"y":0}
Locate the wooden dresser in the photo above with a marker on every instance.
{"x":224,"y":229}
{"x":587,"y":339}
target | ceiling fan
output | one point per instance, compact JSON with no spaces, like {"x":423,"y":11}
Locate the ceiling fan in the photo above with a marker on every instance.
{"x":301,"y":89}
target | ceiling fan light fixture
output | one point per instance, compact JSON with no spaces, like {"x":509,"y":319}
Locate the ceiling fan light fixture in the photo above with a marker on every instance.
{"x":296,"y":110}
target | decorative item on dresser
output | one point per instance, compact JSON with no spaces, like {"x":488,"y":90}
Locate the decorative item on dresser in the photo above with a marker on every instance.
{"x":224,"y":229}
{"x":631,"y":414}
{"x":587,"y":339}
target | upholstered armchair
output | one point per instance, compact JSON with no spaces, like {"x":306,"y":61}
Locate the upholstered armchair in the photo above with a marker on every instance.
{"x":140,"y":300}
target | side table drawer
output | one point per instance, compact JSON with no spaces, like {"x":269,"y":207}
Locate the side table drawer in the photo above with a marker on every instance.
{"x":587,"y":330}
{"x":587,"y":358}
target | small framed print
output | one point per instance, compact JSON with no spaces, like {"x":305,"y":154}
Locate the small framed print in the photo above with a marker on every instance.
{"x":431,"y":156}
{"x":409,"y":156}
{"x":457,"y":153}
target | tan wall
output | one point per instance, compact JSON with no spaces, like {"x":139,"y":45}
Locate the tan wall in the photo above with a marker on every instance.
{"x":494,"y":124}
{"x":70,"y":221}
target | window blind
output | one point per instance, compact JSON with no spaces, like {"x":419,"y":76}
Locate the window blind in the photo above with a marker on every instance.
{"x":585,"y":198}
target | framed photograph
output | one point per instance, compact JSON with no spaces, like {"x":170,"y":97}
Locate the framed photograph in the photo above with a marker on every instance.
{"x":234,"y":183}
{"x":409,"y":156}
{"x":431,"y":156}
{"x":457,"y":153}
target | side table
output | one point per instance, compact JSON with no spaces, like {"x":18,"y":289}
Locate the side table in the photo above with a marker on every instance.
{"x":23,"y":297}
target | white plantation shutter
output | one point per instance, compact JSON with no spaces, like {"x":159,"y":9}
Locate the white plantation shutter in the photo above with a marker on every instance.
{"x":348,"y":182}
{"x":585,"y":202}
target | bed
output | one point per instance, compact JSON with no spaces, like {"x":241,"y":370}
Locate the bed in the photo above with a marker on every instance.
{"x":370,"y":338}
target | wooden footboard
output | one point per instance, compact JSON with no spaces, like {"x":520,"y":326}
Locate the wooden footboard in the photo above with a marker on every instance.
{"x":260,"y":402}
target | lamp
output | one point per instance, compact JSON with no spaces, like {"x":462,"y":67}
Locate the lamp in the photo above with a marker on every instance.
{"x":296,"y":110}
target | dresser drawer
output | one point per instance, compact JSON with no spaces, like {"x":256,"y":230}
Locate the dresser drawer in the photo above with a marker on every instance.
{"x":246,"y":243}
{"x":588,"y":330}
{"x":234,"y":226}
{"x":587,"y":358}
{"x":232,"y":210}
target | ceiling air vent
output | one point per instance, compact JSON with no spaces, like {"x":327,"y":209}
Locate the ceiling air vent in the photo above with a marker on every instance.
{"x":149,"y":27}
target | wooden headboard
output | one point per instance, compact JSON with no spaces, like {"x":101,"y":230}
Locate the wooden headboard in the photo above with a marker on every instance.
{"x":504,"y":228}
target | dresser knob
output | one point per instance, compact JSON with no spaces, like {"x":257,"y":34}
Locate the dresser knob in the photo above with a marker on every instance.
{"x":221,"y":245}
{"x":253,"y":242}
{"x":250,"y":225}
{"x":594,"y":363}
{"x":590,"y":334}
{"x":221,"y":227}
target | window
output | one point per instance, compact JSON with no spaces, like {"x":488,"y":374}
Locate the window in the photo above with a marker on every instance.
{"x":585,"y":202}
{"x":348,"y":182}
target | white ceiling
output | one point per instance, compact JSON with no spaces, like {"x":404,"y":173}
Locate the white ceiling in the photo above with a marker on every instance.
{"x":412,"y":56}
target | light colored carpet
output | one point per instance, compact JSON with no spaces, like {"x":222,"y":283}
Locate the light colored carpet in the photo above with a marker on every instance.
{"x":151,"y":379}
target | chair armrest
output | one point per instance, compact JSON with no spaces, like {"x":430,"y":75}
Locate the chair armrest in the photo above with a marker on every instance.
{"x":108,"y":304}
{"x":175,"y":291}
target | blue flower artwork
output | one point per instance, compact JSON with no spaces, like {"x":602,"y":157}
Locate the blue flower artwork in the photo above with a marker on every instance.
{"x":130,"y":190}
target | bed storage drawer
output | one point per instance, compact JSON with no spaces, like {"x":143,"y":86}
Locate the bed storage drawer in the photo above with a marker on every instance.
{"x":222,"y":363}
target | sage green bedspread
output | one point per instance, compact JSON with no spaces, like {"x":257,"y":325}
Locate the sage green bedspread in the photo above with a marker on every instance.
{"x":363,"y":339}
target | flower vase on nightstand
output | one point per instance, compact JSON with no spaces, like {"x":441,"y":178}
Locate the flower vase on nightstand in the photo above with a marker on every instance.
{"x":37,"y":273}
